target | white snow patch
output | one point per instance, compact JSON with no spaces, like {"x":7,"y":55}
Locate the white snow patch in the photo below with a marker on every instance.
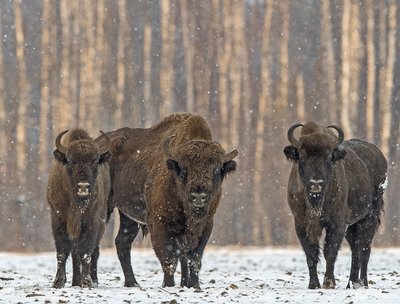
{"x":384,"y":184}
{"x":229,"y":275}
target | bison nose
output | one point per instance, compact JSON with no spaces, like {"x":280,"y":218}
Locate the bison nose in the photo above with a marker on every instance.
{"x":316,"y":185}
{"x":198,"y":199}
{"x":83,"y":189}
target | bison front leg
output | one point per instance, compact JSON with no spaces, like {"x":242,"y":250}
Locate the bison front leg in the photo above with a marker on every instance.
{"x":63,"y":248}
{"x":166,"y":250}
{"x":184,"y":270}
{"x":311,"y":249}
{"x":128,"y":229}
{"x":84,"y":248}
{"x":76,"y":269}
{"x":195,"y":258}
{"x":333,"y":240}
{"x":93,"y":265}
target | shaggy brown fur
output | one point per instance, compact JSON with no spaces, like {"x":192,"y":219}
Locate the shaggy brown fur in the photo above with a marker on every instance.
{"x":169,"y":178}
{"x":335,"y":185}
{"x":77,"y":193}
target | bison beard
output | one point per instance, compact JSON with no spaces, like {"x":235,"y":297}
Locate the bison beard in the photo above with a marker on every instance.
{"x":168,"y":178}
{"x":335,"y":185}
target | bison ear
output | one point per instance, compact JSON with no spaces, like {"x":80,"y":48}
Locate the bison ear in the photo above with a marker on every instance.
{"x":338,"y":153}
{"x":58,"y":155}
{"x":291,"y":152}
{"x":104,"y":157}
{"x":228,"y":167}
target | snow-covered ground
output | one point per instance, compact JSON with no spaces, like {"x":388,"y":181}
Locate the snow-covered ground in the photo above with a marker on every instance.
{"x":229,"y":275}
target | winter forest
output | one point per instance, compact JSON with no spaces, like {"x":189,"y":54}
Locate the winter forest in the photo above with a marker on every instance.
{"x":251,"y":68}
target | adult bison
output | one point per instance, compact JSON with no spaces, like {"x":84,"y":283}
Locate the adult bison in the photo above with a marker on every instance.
{"x":335,"y":185}
{"x":168,"y":178}
{"x":77,"y":192}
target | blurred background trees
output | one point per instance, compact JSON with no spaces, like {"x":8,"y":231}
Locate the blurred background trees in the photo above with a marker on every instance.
{"x":252,"y":68}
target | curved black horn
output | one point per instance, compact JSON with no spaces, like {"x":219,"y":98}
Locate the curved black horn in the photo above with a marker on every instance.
{"x":293,"y":140}
{"x":230,"y":155}
{"x":59,"y":145}
{"x":166,"y":148}
{"x":106,"y":147}
{"x":340,"y":133}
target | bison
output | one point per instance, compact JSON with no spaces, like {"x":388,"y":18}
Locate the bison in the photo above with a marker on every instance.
{"x":168,"y":179}
{"x":338,"y":186}
{"x":77,"y":192}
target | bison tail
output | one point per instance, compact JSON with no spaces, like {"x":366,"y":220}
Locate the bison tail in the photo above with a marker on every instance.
{"x":378,"y":207}
{"x":145,"y":231}
{"x":110,"y":205}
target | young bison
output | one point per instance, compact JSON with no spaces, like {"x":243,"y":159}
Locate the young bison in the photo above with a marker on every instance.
{"x":335,"y":185}
{"x":169,"y":178}
{"x":78,"y":187}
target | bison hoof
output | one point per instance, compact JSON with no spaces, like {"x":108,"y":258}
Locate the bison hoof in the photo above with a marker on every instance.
{"x":314,"y":285}
{"x":131,"y":284}
{"x":168,"y":284}
{"x":329,"y":284}
{"x":59,"y":282}
{"x":355,"y":284}
{"x":197,"y":287}
{"x":87,"y":283}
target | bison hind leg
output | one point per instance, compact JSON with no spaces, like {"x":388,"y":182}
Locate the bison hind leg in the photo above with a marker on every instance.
{"x":352,"y":237}
{"x":128,"y":230}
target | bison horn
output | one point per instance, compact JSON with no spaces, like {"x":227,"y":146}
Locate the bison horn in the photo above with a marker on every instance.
{"x":340,"y":133}
{"x":59,"y":145}
{"x":293,"y":140}
{"x":106,"y":147}
{"x":231,"y":155}
{"x":167,"y":151}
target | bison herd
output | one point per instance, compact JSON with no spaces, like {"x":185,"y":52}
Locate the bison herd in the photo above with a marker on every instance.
{"x":166,"y":181}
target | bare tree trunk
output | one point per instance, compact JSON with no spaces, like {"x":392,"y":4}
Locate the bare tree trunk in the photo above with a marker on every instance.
{"x":214,"y":114}
{"x":328,"y":65}
{"x":32,"y":28}
{"x":379,"y":43}
{"x":345,"y":76}
{"x":260,"y":230}
{"x":392,"y":214}
{"x":201,"y":19}
{"x":386,"y":114}
{"x":371,"y":71}
{"x":9,"y":209}
{"x":133,"y":104}
{"x":361,"y":129}
{"x":179,"y":66}
{"x":109,"y":71}
{"x":156,"y":53}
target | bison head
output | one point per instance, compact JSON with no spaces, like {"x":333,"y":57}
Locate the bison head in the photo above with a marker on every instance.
{"x":315,"y":152}
{"x":82,"y":158}
{"x":199,"y":167}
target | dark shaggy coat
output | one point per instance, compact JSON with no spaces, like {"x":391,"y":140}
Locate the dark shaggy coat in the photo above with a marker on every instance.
{"x":335,"y":185}
{"x":168,"y":178}
{"x":77,"y":192}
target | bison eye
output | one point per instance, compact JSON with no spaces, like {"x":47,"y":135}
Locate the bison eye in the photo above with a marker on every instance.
{"x":183,"y":172}
{"x":217,"y":172}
